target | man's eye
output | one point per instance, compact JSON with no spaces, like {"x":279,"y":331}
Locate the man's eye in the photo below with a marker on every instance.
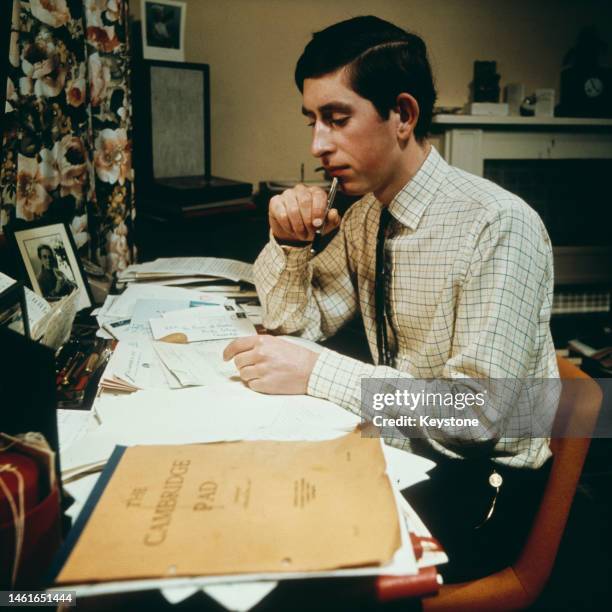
{"x":339,"y":122}
{"x":311,"y":124}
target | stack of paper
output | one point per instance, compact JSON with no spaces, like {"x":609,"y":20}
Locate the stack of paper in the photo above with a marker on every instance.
{"x":143,"y":364}
{"x":190,"y":270}
{"x":145,"y":318}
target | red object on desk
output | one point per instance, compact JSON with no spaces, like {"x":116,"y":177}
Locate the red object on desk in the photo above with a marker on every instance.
{"x":41,"y":529}
{"x":390,"y":588}
{"x":30,"y":471}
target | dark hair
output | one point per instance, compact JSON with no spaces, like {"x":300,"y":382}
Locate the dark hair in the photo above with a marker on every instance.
{"x":382,"y":61}
{"x":43,"y":247}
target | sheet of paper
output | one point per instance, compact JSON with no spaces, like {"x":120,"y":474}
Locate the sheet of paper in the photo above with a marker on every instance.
{"x":150,"y":308}
{"x":123,"y":306}
{"x":201,"y":326}
{"x":259,"y":506}
{"x":196,"y":363}
{"x":405,"y":468}
{"x":72,"y":425}
{"x":240,"y":599}
{"x":135,"y":363}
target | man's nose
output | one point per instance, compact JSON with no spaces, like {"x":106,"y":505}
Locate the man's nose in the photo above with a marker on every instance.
{"x":322,"y":142}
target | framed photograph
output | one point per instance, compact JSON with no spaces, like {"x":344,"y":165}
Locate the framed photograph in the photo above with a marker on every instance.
{"x":51,"y":262}
{"x":163,"y":29}
{"x":14,"y":309}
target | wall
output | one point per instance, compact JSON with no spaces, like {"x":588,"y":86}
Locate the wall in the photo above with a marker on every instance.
{"x":252,"y":46}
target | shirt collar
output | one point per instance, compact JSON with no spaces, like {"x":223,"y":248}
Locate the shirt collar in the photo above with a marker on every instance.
{"x":413,"y":198}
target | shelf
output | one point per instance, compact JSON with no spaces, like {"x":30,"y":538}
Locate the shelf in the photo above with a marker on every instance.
{"x":475,"y":120}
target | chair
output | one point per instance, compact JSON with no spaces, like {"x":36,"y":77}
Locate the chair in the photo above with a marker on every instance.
{"x":518,"y":586}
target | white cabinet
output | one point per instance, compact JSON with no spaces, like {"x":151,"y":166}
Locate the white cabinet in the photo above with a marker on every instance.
{"x":467,"y":141}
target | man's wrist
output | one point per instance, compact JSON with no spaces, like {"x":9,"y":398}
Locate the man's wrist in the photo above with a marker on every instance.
{"x":292,"y":243}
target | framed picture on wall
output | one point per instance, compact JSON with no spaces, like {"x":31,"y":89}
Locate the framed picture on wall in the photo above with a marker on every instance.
{"x":51,"y":262}
{"x":163,"y":29}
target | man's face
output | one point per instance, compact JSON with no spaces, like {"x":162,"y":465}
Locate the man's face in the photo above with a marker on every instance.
{"x":46,"y":259}
{"x":353,"y":142}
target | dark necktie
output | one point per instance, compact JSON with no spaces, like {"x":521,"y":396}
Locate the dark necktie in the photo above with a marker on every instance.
{"x":380,"y":292}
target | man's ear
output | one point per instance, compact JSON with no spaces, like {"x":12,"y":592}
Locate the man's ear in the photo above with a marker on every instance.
{"x":408,"y":111}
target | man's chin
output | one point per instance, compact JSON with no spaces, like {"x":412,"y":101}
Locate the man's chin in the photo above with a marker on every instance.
{"x":354,"y":188}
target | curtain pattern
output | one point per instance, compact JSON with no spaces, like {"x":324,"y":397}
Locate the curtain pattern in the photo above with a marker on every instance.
{"x":66,"y":152}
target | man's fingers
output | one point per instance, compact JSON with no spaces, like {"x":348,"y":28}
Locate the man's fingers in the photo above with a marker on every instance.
{"x":319,"y":205}
{"x":332,"y":222}
{"x":294,"y":212}
{"x":247,"y":358}
{"x":257,"y":384}
{"x":250,"y":373}
{"x":279,"y":216}
{"x":304,"y":200}
{"x":239,"y":346}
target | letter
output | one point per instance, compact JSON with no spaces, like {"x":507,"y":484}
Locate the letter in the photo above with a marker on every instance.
{"x":459,"y":401}
{"x":155,"y":542}
{"x":377,"y":403}
{"x":378,"y":421}
{"x":389,"y":399}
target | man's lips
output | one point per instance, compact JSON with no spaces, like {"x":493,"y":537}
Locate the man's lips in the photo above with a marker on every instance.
{"x":337,"y":170}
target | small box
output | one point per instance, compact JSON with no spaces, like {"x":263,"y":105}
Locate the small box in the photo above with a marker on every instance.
{"x":488,"y":109}
{"x":545,"y":103}
{"x":514,"y":96}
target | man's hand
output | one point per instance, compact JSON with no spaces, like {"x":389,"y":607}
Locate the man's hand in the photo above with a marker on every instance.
{"x":297,"y":213}
{"x":271,"y":365}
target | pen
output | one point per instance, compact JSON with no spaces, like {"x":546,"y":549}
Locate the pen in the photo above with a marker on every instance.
{"x":316,"y":243}
{"x":73,"y":368}
{"x":86,"y":366}
{"x":65,"y":368}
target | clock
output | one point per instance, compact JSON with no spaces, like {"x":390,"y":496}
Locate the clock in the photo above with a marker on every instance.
{"x":586,"y":91}
{"x":586,"y":85}
{"x":593,"y":87}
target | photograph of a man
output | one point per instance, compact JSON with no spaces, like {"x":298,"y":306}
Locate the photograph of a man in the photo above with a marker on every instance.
{"x":53,"y":282}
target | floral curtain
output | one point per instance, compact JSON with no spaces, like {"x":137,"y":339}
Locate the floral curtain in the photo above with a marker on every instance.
{"x":66,"y":153}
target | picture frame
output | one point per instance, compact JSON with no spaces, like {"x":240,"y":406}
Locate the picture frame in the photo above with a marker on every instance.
{"x":14,"y":310}
{"x":173,"y":116}
{"x":51,"y":263}
{"x":163,"y":29}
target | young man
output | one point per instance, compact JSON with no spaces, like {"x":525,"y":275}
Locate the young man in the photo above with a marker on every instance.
{"x":53,"y":282}
{"x":464,"y":282}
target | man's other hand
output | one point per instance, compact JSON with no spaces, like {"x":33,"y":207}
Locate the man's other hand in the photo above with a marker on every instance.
{"x":297,"y":213}
{"x":272,"y":365}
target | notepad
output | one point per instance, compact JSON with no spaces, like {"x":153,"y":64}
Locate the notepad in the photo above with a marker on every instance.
{"x":241,"y":507}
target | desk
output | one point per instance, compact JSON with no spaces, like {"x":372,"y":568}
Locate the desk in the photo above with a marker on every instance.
{"x":317,"y":411}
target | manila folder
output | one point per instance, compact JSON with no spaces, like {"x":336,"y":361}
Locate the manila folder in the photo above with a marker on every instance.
{"x":239,"y":507}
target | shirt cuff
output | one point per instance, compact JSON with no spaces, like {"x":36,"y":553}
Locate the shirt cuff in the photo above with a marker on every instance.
{"x":337,"y":378}
{"x":293,"y":257}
